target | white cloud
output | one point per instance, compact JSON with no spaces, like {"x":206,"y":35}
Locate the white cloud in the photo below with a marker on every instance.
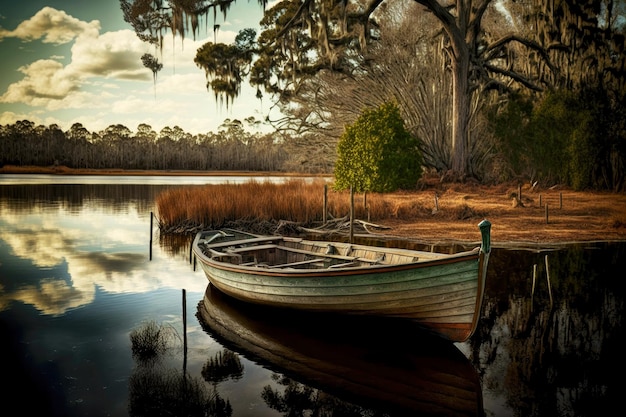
{"x":10,"y":118}
{"x":54,"y":26}
{"x":50,"y":84}
{"x":192,"y":83}
{"x":44,"y":80}
{"x":112,"y":54}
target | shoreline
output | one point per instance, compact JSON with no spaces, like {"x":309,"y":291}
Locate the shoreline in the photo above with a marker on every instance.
{"x":585,"y":216}
{"x":62,"y":170}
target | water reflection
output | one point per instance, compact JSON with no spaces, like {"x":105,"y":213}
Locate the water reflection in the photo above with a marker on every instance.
{"x":77,"y":240}
{"x":44,"y":179}
{"x":76,"y":277}
{"x":390,"y":366}
{"x":553,"y":356}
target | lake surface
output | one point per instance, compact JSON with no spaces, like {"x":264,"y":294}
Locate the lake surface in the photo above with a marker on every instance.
{"x":80,"y":270}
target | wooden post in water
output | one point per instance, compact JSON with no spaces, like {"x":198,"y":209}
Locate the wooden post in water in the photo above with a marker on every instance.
{"x":151,"y":221}
{"x":560,"y":201}
{"x":325,"y":204}
{"x":191,"y":251}
{"x":185,"y":329}
{"x":547,"y":221}
{"x":351,"y":214}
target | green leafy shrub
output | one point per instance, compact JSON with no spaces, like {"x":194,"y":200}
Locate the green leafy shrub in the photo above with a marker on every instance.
{"x":377,"y":153}
{"x":567,"y":137}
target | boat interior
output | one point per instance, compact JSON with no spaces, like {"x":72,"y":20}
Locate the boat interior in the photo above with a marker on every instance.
{"x":298,"y":253}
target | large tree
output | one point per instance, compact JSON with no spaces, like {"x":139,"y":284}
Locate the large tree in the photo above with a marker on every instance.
{"x":302,"y":38}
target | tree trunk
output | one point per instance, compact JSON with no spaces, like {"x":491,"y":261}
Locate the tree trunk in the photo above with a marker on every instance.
{"x":460,"y":110}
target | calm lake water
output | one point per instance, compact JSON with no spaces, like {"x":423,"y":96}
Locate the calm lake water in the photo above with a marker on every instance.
{"x":80,"y":270}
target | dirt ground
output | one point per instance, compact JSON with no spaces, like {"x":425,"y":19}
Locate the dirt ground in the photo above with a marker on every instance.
{"x":570,"y":216}
{"x":453,"y":216}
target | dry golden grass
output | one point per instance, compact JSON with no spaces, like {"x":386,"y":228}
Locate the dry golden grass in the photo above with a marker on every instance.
{"x":435,"y":214}
{"x":294,"y":200}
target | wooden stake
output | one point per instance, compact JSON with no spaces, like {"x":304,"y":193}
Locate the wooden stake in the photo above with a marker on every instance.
{"x":325,"y":203}
{"x":151,"y":223}
{"x":191,"y":251}
{"x":351,"y":214}
{"x":547,"y":221}
{"x":185,"y":329}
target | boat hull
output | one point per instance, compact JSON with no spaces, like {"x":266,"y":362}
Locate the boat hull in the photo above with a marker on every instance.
{"x":442,"y":294}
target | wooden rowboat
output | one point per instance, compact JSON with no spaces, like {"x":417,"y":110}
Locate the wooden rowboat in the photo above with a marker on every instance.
{"x":441,"y":292}
{"x":377,"y":363}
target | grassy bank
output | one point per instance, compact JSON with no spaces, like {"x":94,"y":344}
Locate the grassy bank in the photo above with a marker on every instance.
{"x":437,"y":213}
{"x":187,"y":209}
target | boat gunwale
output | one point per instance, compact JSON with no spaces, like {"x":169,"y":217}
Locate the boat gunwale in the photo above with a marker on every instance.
{"x":472,"y":255}
{"x":338,"y":271}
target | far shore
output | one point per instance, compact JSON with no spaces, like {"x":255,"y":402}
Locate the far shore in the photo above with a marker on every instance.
{"x":62,"y":170}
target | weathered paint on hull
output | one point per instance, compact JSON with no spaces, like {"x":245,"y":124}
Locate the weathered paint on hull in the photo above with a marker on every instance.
{"x":440,"y":292}
{"x":442,"y":298}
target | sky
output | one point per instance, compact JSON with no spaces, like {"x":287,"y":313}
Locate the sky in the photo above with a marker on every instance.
{"x":75,"y":61}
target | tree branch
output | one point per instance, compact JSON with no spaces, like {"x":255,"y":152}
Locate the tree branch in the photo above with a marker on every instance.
{"x":513,"y":75}
{"x":495,"y":48}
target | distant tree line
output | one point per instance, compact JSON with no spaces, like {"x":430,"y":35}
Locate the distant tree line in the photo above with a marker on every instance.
{"x":117,"y":147}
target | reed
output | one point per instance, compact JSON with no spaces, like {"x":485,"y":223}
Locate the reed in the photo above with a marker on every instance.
{"x":296,"y":200}
{"x":151,"y":340}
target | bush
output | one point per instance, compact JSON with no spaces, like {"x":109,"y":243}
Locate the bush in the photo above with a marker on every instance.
{"x":567,"y":137}
{"x":377,"y":153}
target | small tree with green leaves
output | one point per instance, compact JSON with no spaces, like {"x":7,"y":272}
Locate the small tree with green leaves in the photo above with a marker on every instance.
{"x":377,"y":153}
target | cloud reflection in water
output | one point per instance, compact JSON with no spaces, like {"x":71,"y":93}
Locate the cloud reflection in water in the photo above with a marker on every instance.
{"x":56,"y":259}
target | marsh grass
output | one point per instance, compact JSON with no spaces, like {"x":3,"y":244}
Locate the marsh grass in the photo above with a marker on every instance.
{"x":151,"y":340}
{"x":296,"y":200}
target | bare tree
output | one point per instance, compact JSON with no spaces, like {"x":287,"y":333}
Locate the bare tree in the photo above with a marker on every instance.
{"x":301,"y":39}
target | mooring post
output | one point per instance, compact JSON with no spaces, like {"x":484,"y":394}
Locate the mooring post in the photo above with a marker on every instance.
{"x":547,"y":214}
{"x":351,"y":214}
{"x":325,"y":203}
{"x":185,"y":329}
{"x":151,"y":223}
{"x":191,"y":251}
{"x":560,"y":201}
